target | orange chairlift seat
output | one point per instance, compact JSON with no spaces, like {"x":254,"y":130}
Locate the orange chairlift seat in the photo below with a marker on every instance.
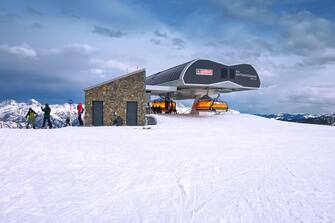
{"x":164,"y":104}
{"x":207,"y":103}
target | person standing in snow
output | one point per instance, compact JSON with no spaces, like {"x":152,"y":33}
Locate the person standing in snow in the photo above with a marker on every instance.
{"x":47,"y":111}
{"x":68,"y":120}
{"x":80,"y":110}
{"x":31,"y":115}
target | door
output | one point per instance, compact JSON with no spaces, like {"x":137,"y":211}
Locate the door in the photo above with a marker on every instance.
{"x":131,"y":112}
{"x":98,"y":113}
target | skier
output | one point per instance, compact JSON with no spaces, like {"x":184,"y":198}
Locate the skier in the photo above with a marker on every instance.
{"x":46,"y":117}
{"x":80,"y":110}
{"x":31,"y":115}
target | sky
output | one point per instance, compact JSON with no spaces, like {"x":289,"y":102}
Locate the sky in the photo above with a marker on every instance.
{"x":51,"y":50}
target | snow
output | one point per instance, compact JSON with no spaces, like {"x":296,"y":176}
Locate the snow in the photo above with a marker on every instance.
{"x":211,"y":168}
{"x":183,"y":109}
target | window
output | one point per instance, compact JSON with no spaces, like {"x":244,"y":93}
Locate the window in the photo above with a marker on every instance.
{"x":232,"y":73}
{"x":224,"y":73}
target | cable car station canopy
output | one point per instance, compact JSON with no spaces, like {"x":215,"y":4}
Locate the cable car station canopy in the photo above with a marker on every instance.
{"x":202,"y":77}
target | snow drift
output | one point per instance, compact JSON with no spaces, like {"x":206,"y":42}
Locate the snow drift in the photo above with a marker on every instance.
{"x":211,"y":168}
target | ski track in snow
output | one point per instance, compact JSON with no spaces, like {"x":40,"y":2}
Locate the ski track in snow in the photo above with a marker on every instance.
{"x":212,"y":168}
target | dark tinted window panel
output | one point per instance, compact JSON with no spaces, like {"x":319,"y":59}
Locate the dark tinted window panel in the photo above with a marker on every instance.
{"x":224,"y":73}
{"x":232,"y":73}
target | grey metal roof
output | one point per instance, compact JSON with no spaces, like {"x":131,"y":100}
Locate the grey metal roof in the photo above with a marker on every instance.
{"x":170,"y":74}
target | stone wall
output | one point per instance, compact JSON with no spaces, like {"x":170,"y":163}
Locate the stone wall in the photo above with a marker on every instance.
{"x":115,"y":95}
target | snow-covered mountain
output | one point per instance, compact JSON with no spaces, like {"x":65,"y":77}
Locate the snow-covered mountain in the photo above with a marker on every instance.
{"x":12,"y":114}
{"x":324,"y":119}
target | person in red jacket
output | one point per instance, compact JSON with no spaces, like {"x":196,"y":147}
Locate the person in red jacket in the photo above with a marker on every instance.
{"x":80,"y":110}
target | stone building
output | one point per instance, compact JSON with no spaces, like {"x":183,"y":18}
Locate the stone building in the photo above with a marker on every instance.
{"x":123,"y":96}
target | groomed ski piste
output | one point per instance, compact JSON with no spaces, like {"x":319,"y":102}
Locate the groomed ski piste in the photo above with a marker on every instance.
{"x":211,"y":168}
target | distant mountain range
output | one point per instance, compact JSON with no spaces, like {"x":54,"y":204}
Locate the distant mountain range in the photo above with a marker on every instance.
{"x":324,"y":119}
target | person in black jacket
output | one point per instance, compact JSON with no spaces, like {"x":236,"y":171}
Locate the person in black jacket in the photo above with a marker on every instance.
{"x":46,"y":117}
{"x":118,"y":121}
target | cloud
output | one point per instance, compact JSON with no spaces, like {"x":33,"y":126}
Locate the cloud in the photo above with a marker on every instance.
{"x":111,"y":64}
{"x":27,"y":84}
{"x":85,"y":48}
{"x":320,"y":58}
{"x":306,"y":32}
{"x":314,"y":95}
{"x":155,"y":41}
{"x":97,"y":71}
{"x":70,"y":13}
{"x":161,"y":34}
{"x":210,"y":44}
{"x":160,"y":38}
{"x":108,"y":32}
{"x":100,"y":72}
{"x":178,"y":43}
{"x":75,"y":48}
{"x":34,"y":12}
{"x":309,"y":36}
{"x":252,"y":10}
{"x":24,"y":50}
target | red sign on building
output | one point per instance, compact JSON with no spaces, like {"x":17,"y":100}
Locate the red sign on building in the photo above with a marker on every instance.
{"x":208,"y":72}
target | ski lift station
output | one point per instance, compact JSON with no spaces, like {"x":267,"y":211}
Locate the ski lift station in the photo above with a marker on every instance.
{"x":128,"y":96}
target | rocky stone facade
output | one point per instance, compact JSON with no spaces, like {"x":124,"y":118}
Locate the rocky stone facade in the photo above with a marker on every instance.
{"x":115,"y":94}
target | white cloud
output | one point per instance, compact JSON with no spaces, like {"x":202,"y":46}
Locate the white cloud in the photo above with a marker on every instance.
{"x":314,"y":95}
{"x":307,"y":33}
{"x":112,"y":64}
{"x":326,"y":56}
{"x":77,"y":48}
{"x":87,"y":49}
{"x":253,"y":10}
{"x":24,"y":50}
{"x":97,"y":71}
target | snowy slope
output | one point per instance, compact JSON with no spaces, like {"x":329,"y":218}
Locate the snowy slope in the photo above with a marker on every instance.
{"x":211,"y":168}
{"x":12,"y":114}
